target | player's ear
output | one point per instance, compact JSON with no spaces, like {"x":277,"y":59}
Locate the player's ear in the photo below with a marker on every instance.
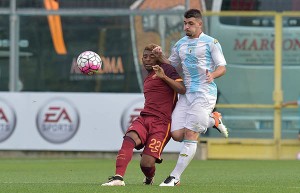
{"x":200,"y":22}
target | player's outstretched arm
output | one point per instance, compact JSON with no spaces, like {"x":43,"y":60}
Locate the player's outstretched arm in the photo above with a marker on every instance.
{"x":160,"y":55}
{"x":177,"y":86}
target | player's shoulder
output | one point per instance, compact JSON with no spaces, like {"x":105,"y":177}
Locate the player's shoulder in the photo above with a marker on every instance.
{"x":166,"y":66}
{"x":168,"y":69}
{"x":208,"y":39}
{"x":181,"y":41}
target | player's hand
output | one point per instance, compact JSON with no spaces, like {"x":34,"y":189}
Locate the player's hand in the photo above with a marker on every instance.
{"x":157,"y":51}
{"x":209,"y":76}
{"x":159,"y":72}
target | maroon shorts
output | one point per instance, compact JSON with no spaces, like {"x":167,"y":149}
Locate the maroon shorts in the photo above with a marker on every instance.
{"x":154,"y":134}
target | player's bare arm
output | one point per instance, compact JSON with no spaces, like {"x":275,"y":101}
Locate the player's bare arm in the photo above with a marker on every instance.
{"x":220,"y":71}
{"x":160,"y":55}
{"x":178,"y":86}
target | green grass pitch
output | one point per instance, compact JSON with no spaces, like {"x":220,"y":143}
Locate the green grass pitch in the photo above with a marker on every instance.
{"x":86,"y":175}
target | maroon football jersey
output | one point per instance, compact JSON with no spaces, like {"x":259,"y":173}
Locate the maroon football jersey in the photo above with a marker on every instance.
{"x":160,"y":98}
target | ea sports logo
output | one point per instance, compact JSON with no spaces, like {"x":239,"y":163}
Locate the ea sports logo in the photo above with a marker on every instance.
{"x":7,"y":120}
{"x":57,"y":121}
{"x":131,"y":112}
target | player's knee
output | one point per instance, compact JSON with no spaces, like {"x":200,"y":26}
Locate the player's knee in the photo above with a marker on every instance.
{"x":191,"y":135}
{"x":147,"y":161}
{"x":134,"y":136}
{"x":177,"y":135}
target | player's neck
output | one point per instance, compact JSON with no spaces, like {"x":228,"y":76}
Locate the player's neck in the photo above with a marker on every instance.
{"x":196,"y":35}
{"x":150,"y":71}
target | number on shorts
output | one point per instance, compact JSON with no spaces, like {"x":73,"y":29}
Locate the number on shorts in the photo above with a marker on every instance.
{"x":154,"y":145}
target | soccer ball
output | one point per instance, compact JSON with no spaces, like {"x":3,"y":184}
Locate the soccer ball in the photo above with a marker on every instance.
{"x":89,"y":62}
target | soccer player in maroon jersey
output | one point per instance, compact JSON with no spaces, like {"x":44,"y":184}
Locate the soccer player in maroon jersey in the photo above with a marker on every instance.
{"x":151,"y":130}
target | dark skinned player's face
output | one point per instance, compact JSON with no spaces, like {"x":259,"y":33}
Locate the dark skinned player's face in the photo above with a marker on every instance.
{"x":149,"y":60}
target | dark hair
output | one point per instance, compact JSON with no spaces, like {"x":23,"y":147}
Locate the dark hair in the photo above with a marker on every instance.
{"x":196,"y":13}
{"x":150,"y":47}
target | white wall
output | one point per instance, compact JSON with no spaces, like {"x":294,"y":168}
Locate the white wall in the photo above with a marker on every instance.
{"x":67,"y":121}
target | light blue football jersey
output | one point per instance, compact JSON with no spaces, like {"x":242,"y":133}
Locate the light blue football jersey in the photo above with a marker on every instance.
{"x":195,"y":56}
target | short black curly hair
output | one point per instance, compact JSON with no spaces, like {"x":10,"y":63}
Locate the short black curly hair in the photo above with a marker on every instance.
{"x":150,"y":47}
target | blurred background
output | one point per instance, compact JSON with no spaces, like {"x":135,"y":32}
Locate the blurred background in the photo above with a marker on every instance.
{"x":41,"y":39}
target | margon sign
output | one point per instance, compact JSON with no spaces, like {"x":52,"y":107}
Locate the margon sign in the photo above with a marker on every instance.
{"x":265,"y":44}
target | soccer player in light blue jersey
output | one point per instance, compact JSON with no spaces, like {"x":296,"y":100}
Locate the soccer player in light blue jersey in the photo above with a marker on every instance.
{"x":201,"y":59}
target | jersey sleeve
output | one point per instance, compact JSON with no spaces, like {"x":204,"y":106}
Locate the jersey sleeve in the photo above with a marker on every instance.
{"x":174,"y":57}
{"x":217,"y":54}
{"x":171,"y":72}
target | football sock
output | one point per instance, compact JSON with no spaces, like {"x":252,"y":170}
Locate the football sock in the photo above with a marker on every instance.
{"x":124,"y":156}
{"x":211,"y":122}
{"x":149,"y":172}
{"x":185,"y":157}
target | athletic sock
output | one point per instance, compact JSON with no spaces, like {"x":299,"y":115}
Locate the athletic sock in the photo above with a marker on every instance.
{"x":124,"y":156}
{"x":185,"y":157}
{"x":211,"y":122}
{"x":149,"y":172}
